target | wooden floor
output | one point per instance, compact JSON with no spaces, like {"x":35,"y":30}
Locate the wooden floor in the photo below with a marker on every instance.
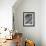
{"x":9,"y":43}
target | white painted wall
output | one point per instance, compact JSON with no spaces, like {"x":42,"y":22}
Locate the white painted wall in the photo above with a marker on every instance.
{"x":6,"y":13}
{"x":38,"y":32}
{"x":43,"y":22}
{"x":29,"y":32}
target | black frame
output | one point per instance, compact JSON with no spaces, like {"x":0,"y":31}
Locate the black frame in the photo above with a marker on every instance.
{"x":33,"y":19}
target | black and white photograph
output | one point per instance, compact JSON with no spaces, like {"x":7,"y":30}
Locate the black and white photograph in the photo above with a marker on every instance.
{"x":28,"y":19}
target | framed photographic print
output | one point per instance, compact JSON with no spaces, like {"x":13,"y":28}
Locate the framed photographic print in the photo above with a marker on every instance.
{"x":29,"y":19}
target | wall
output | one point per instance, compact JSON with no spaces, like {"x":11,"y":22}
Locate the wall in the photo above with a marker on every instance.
{"x":33,"y":33}
{"x":6,"y":13}
{"x":43,"y":22}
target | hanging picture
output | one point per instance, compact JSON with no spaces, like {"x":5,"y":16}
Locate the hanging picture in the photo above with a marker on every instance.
{"x":29,"y":19}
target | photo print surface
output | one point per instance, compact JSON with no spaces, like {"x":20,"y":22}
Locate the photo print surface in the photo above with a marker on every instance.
{"x":28,"y":18}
